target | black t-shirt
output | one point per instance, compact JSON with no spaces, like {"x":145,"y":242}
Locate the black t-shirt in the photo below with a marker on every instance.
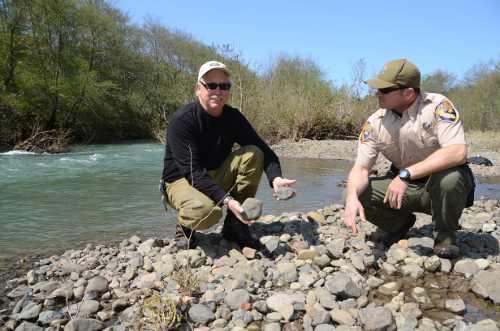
{"x":198,"y":142}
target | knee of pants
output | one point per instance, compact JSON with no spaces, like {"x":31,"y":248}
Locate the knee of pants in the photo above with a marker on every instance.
{"x":447,"y":181}
{"x":253,"y":154}
{"x":197,"y":215}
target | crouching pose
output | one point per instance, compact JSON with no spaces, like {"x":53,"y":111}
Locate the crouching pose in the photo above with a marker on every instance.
{"x":422,"y":135}
{"x":202,"y":173}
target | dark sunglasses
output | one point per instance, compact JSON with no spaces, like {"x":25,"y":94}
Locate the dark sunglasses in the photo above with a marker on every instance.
{"x":391,"y":89}
{"x":214,"y":86}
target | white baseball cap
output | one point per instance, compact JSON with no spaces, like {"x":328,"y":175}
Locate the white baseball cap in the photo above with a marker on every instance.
{"x":211,"y":65}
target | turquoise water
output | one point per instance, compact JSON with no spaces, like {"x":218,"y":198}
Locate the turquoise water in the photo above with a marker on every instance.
{"x":102,"y":193}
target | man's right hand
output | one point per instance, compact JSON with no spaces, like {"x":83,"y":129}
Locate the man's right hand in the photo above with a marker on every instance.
{"x":235,"y":207}
{"x":352,"y":209}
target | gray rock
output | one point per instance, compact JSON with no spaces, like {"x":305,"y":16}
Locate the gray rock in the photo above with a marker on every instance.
{"x":97,"y":284}
{"x":342,"y":317}
{"x":147,"y":280}
{"x":288,"y":271}
{"x":284,"y":193}
{"x":336,"y":248}
{"x":485,"y":284}
{"x":84,"y":325}
{"x":26,"y":326}
{"x":252,"y":208}
{"x":412,"y":270}
{"x":432,"y":264}
{"x":276,"y":301}
{"x":48,"y":316}
{"x":456,"y":306}
{"x":84,"y":308}
{"x":272,"y":327}
{"x":30,"y":311}
{"x":325,"y":298}
{"x":397,"y":253}
{"x":342,"y":286}
{"x":324,"y":327}
{"x":19,"y":292}
{"x":445,"y":265}
{"x":201,"y":314}
{"x":271,"y":243}
{"x":391,"y":288}
{"x":237,"y":297}
{"x":148,"y":245}
{"x":485,"y":325}
{"x":319,"y":315}
{"x":466,"y":267}
{"x":378,"y":318}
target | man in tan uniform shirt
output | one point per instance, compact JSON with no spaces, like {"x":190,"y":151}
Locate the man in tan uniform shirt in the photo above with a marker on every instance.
{"x":422,"y":135}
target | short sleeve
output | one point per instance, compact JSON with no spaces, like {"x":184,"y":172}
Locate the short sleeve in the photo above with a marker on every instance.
{"x":367,"y":146}
{"x":449,"y":128}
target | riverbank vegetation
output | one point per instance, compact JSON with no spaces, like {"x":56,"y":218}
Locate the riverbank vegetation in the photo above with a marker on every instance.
{"x":81,"y":66}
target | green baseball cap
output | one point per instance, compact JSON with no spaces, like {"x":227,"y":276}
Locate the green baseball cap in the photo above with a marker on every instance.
{"x":396,"y":73}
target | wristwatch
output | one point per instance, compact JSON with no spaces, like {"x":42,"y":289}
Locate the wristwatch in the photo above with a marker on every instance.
{"x":404,"y":175}
{"x":226,"y":200}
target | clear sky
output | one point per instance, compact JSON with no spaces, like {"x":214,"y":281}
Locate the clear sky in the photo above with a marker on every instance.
{"x":452,"y":35}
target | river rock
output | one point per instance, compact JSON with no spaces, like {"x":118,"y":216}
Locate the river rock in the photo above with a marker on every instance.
{"x":336,"y":248}
{"x":456,"y":306}
{"x":30,"y":311}
{"x":201,"y":314}
{"x":252,"y":208}
{"x":48,"y":316}
{"x":342,"y":317}
{"x":485,"y":325}
{"x":378,"y":318}
{"x":97,"y":284}
{"x":84,"y":325}
{"x":284,"y":192}
{"x":236,"y":298}
{"x":26,"y":326}
{"x":485,"y":284}
{"x":342,"y":286}
{"x":467,"y":268}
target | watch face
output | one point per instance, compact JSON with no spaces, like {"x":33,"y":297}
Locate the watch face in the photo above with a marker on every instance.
{"x":404,"y":174}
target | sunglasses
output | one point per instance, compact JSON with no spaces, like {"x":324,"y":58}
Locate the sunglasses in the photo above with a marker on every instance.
{"x":213,"y":86}
{"x":391,"y":89}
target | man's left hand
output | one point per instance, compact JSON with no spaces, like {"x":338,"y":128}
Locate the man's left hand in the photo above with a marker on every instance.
{"x":395,"y":193}
{"x":282,"y":182}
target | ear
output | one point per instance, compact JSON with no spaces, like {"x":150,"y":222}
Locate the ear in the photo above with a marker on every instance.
{"x":197,"y":89}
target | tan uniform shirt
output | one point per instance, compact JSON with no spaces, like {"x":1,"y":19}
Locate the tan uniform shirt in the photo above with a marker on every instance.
{"x":431,"y":122}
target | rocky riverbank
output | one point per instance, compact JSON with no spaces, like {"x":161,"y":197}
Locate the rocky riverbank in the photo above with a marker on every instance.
{"x":315,"y":275}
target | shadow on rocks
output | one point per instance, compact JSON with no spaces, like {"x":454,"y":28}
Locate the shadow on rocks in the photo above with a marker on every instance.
{"x":477,"y":245}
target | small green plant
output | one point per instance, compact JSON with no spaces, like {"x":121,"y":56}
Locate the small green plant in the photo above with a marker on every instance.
{"x":161,"y":313}
{"x":189,"y":283}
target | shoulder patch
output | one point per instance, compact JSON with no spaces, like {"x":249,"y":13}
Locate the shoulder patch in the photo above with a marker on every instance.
{"x":364,"y":135}
{"x":446,"y":112}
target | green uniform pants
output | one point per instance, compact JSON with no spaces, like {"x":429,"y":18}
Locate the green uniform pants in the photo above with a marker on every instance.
{"x":443,"y":195}
{"x":239,"y":175}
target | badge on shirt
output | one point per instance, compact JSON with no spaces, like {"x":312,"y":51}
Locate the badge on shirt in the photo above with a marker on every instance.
{"x":446,"y":112}
{"x":365,"y":132}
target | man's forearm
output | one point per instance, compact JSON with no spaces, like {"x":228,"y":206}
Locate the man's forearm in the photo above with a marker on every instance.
{"x":357,"y":181}
{"x":444,"y":158}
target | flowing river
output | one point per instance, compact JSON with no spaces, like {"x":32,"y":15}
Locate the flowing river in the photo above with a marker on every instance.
{"x":102,"y":193}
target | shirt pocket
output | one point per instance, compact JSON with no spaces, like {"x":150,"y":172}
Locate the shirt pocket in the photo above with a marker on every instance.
{"x":391,"y":151}
{"x":428,"y":140}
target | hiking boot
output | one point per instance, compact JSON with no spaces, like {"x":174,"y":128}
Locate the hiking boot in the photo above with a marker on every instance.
{"x":234,"y":230}
{"x":446,"y":247}
{"x":185,"y":238}
{"x":390,"y":238}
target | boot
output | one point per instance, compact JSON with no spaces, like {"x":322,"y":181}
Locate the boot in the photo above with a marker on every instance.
{"x":185,"y":238}
{"x":234,"y":230}
{"x":445,"y":246}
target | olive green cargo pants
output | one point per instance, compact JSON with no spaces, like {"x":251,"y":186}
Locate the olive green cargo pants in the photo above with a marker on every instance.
{"x":239,"y":175}
{"x":443,"y":195}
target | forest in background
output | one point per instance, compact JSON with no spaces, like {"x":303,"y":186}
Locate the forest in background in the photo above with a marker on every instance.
{"x":84,"y":70}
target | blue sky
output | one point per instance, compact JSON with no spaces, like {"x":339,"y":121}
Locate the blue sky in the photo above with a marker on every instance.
{"x":448,"y":35}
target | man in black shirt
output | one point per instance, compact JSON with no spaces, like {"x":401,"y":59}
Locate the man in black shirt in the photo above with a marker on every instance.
{"x":202,"y":173}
